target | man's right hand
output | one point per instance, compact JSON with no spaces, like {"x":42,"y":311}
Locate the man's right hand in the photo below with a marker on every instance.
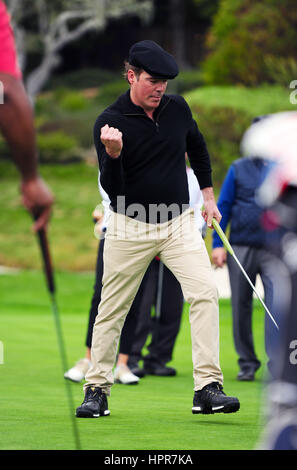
{"x":219,"y":257}
{"x":112,"y":140}
{"x":38,"y":199}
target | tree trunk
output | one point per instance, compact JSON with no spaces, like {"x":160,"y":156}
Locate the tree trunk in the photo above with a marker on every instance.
{"x":177,"y":22}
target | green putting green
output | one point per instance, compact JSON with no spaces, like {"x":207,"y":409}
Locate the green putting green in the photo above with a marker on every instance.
{"x":153,"y":415}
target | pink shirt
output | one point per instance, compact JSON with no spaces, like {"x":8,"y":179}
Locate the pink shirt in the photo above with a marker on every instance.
{"x":8,"y":56}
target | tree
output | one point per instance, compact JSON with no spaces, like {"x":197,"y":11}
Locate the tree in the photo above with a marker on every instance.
{"x":177,"y":23}
{"x":182,"y":26}
{"x":60,"y":22}
{"x":249,"y":39}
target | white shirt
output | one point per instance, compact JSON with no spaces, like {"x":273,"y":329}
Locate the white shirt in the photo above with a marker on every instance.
{"x":196,"y":200}
{"x":106,"y":204}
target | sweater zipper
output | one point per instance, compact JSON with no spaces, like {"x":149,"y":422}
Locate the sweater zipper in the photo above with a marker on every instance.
{"x":156,"y":123}
{"x":161,"y":110}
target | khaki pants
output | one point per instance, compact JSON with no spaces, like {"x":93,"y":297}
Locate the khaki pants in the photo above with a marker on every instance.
{"x":130,"y":246}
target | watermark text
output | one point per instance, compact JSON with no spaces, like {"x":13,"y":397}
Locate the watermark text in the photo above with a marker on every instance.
{"x":152,"y":222}
{"x":293,"y":355}
{"x":293,"y":94}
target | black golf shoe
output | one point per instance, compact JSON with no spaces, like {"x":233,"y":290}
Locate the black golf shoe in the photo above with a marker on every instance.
{"x":94,"y":405}
{"x":157,"y":368}
{"x":212,"y":399}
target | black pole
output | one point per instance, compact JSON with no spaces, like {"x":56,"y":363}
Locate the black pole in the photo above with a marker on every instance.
{"x":49,"y":273}
{"x":159,"y":300}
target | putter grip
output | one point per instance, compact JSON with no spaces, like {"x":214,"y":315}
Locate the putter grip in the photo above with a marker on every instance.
{"x":222,"y":236}
{"x":46,"y":260}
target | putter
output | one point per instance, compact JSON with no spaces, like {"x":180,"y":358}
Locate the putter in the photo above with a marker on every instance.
{"x":230,"y":250}
{"x":44,"y":246}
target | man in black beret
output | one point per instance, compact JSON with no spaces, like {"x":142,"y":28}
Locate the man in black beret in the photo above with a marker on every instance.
{"x":149,"y":56}
{"x":141,"y":142}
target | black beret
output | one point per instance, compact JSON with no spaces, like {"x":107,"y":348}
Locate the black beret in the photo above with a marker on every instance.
{"x":150,"y":57}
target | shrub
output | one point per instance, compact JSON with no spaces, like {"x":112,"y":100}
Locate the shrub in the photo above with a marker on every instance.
{"x":4,"y":150}
{"x":80,"y":79}
{"x":45,"y":106}
{"x":57,"y":147}
{"x":222,"y":128}
{"x":73,"y":101}
{"x":188,"y":80}
{"x":109,"y":92}
{"x":280,"y":69}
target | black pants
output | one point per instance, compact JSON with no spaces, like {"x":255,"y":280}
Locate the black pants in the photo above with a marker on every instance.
{"x":138,"y":323}
{"x":255,"y":261}
{"x":128,"y":331}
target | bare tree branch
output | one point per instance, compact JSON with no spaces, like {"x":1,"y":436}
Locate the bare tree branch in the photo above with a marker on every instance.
{"x":71,"y":24}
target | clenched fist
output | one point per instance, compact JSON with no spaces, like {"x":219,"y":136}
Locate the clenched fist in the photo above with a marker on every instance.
{"x":111,"y":138}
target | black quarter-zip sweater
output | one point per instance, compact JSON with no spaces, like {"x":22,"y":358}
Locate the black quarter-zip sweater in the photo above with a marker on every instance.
{"x":152,"y":168}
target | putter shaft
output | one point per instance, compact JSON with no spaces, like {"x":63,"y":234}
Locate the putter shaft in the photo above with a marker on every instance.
{"x":254,"y":289}
{"x":231,"y":251}
{"x":49,"y":274}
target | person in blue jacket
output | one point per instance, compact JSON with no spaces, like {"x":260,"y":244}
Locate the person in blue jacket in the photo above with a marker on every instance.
{"x":238,"y":206}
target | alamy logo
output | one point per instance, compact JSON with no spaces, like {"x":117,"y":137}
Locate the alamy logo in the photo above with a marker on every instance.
{"x":155,"y":222}
{"x":293,"y":95}
{"x":293,"y":355}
